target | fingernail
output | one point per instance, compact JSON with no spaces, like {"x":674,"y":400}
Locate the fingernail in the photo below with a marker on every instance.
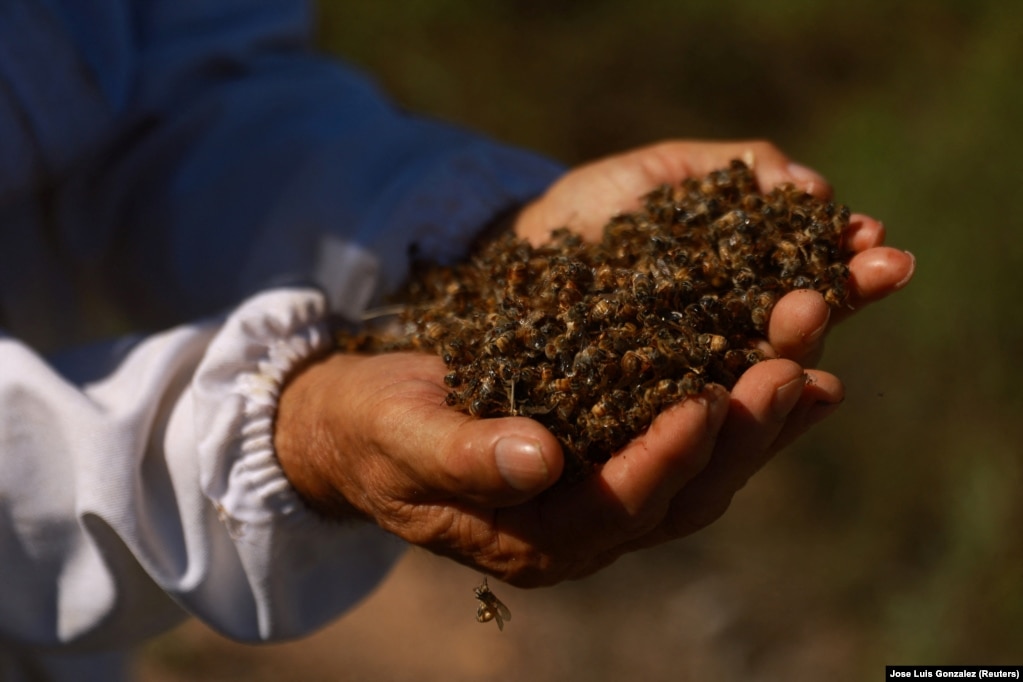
{"x":521,"y":462}
{"x":814,"y":336}
{"x":786,"y":397}
{"x":909,"y":275}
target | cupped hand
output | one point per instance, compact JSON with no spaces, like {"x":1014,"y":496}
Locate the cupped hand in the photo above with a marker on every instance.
{"x":586,"y":197}
{"x":372,"y":437}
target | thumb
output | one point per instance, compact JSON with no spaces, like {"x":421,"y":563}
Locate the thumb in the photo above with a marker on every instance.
{"x":488,"y":462}
{"x":438,"y":452}
{"x":375,"y":430}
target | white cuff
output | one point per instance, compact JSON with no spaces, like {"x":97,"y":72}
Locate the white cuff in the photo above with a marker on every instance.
{"x":236,"y":392}
{"x":302,"y":570}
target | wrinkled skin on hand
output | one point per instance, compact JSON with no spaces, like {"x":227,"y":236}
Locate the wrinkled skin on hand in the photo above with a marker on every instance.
{"x":371,"y":436}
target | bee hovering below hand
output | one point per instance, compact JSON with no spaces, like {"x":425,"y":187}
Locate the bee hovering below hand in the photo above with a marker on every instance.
{"x":490,"y":608}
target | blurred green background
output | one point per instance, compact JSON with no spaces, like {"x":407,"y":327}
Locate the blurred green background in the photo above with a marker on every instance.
{"x":892,"y":534}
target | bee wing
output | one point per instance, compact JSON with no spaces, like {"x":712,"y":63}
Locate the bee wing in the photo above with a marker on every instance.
{"x":502,"y":610}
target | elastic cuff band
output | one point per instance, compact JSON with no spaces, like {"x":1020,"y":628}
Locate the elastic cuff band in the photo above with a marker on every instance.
{"x":237,"y":389}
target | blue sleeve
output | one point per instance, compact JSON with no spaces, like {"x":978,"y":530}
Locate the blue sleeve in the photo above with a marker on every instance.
{"x":223,"y":156}
{"x":192,"y":152}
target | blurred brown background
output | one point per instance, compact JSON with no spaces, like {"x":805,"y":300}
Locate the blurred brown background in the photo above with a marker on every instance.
{"x":892,"y":534}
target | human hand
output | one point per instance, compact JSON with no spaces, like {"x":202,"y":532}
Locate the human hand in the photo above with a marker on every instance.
{"x":372,"y":437}
{"x":586,"y":197}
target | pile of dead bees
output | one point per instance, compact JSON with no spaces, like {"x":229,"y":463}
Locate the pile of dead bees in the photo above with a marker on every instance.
{"x":594,"y":339}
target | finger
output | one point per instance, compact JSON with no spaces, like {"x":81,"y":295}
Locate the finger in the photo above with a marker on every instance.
{"x":798,"y":324}
{"x":801,"y":318}
{"x":876,"y":273}
{"x":648,"y":473}
{"x":631,"y":492}
{"x":709,"y":496}
{"x":761,"y":402}
{"x":822,"y":395}
{"x":863,"y":233}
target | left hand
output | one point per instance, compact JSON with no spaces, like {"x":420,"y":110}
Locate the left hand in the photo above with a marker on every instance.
{"x":586,"y":197}
{"x":370,"y":437}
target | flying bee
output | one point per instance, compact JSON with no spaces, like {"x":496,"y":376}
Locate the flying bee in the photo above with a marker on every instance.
{"x":490,"y":608}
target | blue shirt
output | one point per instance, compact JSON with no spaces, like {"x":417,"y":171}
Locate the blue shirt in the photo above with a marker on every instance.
{"x":164,"y":160}
{"x":168,"y":157}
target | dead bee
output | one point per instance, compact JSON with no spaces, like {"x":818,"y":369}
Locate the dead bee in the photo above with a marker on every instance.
{"x":490,"y":607}
{"x":664,"y":392}
{"x":499,"y":343}
{"x":634,"y":362}
{"x":713,"y":342}
{"x":604,"y":278}
{"x":602,"y":309}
